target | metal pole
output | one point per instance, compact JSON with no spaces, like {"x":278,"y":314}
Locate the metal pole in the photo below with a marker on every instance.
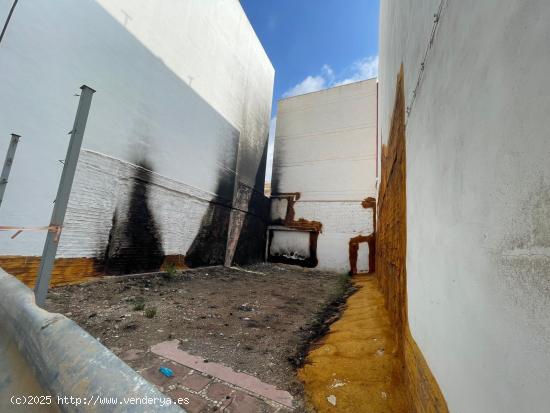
{"x":62,"y":198}
{"x":7,"y":165}
{"x":8,"y":20}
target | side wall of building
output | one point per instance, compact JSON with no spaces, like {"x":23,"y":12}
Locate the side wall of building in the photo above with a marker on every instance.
{"x":177,"y":127}
{"x":477,"y":194}
{"x":325,"y":157}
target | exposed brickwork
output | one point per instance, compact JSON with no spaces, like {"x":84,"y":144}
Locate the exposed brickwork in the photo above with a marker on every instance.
{"x":391,"y":234}
{"x":391,"y":241}
{"x":344,"y":217}
{"x":290,"y":219}
{"x":123,"y":218}
{"x":333,"y":225}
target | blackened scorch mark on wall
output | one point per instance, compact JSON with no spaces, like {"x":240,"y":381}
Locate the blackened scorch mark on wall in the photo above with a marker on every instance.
{"x":313,"y":227}
{"x":208,"y":247}
{"x":246,"y":212}
{"x":308,"y":262}
{"x":252,"y":236}
{"x":135,"y":243}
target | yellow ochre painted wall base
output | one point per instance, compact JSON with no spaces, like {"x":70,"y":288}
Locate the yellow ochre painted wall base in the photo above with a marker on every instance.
{"x":369,"y":361}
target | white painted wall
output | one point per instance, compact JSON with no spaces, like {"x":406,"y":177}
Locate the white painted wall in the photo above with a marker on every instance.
{"x":177,"y":83}
{"x":325,"y":149}
{"x":478,"y":195}
{"x":341,"y":221}
{"x":103,"y":184}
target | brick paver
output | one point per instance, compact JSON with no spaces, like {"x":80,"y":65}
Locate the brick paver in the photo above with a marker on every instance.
{"x":196,"y":403}
{"x":243,"y":403}
{"x":218,"y":391}
{"x":195,"y":381}
{"x":170,"y":350}
{"x":153,"y":375}
{"x":241,"y":394}
{"x":179,"y":371}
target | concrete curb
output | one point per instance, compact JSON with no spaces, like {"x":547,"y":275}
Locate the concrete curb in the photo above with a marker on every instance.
{"x":67,"y":361}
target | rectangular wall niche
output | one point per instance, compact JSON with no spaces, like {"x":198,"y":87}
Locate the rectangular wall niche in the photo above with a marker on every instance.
{"x":293,"y":245}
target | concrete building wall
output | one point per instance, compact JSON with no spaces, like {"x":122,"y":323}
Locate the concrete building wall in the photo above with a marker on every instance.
{"x":478,"y":185}
{"x":325,"y":155}
{"x":184,"y":90}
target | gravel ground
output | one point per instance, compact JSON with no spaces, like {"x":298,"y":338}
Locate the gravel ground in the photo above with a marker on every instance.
{"x":259,"y":319}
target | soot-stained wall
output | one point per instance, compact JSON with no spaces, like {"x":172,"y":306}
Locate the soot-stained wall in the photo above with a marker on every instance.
{"x":176,"y":127}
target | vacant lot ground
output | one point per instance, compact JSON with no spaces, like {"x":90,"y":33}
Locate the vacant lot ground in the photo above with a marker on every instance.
{"x":254,"y":319}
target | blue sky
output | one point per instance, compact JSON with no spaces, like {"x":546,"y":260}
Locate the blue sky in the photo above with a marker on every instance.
{"x":315,"y":44}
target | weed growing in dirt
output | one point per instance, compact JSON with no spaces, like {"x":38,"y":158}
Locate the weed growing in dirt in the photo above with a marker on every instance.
{"x":139,"y":304}
{"x":170,"y":272}
{"x":344,"y":283}
{"x":150,"y":312}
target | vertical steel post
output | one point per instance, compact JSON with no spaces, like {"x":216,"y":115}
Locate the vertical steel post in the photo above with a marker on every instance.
{"x":7,"y":165}
{"x":62,"y":198}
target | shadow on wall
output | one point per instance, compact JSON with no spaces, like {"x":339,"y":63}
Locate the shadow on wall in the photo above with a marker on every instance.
{"x":252,"y":237}
{"x":135,"y":243}
{"x":208,"y":247}
{"x":135,"y":240}
{"x":233,"y":233}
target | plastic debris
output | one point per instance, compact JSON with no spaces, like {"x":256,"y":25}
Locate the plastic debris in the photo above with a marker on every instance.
{"x":166,"y":371}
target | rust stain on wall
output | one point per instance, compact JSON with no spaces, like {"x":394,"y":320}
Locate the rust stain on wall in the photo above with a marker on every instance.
{"x":65,"y":270}
{"x":69,"y":270}
{"x":367,"y":203}
{"x":290,"y":218}
{"x":354,"y":251}
{"x":176,"y":260}
{"x":423,"y":391}
{"x":290,"y":221}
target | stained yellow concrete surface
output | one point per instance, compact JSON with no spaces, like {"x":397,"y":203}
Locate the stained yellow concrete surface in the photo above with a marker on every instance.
{"x":356,"y":367}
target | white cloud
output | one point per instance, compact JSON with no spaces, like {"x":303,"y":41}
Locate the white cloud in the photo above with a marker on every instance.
{"x":328,"y":74}
{"x":308,"y":85}
{"x":361,"y":69}
{"x":270,"y":149}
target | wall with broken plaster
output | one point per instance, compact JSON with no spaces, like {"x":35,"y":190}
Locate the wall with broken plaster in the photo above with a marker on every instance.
{"x":325,"y":151}
{"x":177,"y":124}
{"x":478,"y":179}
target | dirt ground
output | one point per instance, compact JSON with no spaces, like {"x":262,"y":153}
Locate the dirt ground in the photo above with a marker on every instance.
{"x":259,"y":319}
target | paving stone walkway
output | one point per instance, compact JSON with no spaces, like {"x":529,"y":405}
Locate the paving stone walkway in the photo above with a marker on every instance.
{"x":212,"y":387}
